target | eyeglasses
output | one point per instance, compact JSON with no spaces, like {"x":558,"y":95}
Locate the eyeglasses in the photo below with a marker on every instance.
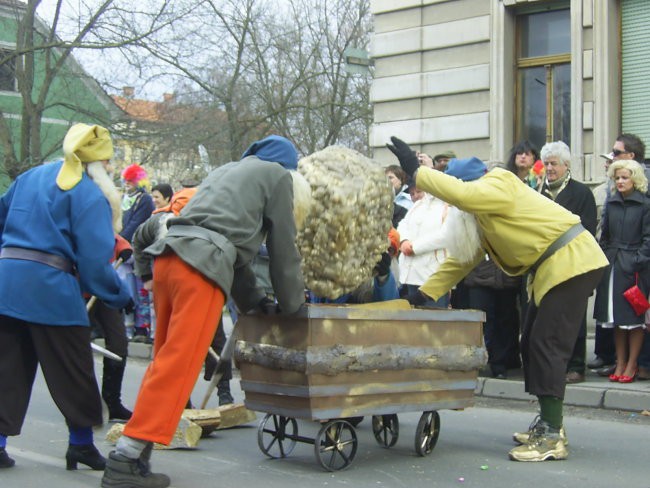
{"x":618,"y":152}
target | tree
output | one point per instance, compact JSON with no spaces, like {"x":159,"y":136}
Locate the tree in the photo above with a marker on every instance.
{"x":265,"y":67}
{"x":47,"y":77}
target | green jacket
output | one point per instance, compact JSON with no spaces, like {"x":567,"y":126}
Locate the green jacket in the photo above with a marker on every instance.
{"x":517,"y":225}
{"x":220,"y":231}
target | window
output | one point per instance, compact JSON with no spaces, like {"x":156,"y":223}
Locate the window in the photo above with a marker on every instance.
{"x":544,"y":77}
{"x":7,"y":71}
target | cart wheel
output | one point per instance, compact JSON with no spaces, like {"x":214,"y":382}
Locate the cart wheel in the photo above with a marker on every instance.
{"x":386,"y":429}
{"x":426,"y":435}
{"x":335,"y":445}
{"x":281,"y":438}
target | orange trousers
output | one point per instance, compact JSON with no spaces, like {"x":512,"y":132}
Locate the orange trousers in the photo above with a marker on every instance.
{"x":188,"y":308}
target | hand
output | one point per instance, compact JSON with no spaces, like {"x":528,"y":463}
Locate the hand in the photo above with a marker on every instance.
{"x":406,"y":156}
{"x":129,"y":307}
{"x":425,"y":160}
{"x":406,"y":248}
{"x":382,"y":268}
{"x":148,"y":285}
{"x":266,"y":306}
{"x":125,"y":254}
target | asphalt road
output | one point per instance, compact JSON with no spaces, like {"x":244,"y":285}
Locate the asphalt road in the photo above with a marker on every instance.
{"x":607,"y":449}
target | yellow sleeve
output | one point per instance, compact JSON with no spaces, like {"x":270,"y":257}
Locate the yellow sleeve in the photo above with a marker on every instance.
{"x":489,"y":194}
{"x":448,"y":274}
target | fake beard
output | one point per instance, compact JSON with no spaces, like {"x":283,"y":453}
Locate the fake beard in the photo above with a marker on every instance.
{"x":98,"y":174}
{"x":464,"y":235}
{"x":301,"y":199}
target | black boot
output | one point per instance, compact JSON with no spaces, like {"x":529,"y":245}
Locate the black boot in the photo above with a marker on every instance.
{"x":112,"y":389}
{"x":86,"y":454}
{"x":223,"y":392}
{"x":133,"y":473}
{"x":5,"y":460}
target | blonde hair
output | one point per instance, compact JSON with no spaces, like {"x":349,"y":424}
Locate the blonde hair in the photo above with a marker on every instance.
{"x":301,"y":198}
{"x":636,"y":170}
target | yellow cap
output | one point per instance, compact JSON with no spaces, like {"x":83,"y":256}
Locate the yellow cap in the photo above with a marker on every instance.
{"x":82,"y":144}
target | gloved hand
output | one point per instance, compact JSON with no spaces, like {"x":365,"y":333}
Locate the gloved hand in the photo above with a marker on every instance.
{"x":210,"y":365}
{"x":266,"y":306}
{"x":129,"y":307}
{"x":419,"y":299}
{"x":125,"y":254}
{"x":382,"y":268}
{"x":408,"y":160}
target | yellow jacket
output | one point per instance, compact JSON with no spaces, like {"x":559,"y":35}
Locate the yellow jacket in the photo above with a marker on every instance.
{"x":517,"y":225}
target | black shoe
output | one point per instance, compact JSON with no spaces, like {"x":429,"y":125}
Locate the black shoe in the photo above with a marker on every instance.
{"x":119,"y":413}
{"x":5,"y":460}
{"x":86,"y":454}
{"x":123,"y":472}
{"x":223,"y":392}
{"x":606,"y":370}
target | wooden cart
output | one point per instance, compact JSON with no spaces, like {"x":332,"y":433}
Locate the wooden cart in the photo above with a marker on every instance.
{"x":336,"y":363}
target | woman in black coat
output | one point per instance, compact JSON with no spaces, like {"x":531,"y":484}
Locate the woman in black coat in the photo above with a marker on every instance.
{"x":625,"y":240}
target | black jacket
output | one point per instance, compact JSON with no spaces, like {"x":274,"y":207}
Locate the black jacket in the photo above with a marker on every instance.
{"x":626,"y":242}
{"x":577,"y":198}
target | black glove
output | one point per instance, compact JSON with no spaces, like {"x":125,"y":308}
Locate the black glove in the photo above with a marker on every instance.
{"x":125,"y":254}
{"x":418,"y":299}
{"x":210,"y":367}
{"x":406,"y":156}
{"x":266,"y":306}
{"x":382,"y":268}
{"x":129,"y":307}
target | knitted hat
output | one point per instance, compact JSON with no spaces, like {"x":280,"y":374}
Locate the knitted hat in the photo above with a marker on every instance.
{"x":82,"y":144}
{"x":276,"y":149}
{"x":135,"y":174}
{"x":445,"y":155}
{"x":469,"y":169}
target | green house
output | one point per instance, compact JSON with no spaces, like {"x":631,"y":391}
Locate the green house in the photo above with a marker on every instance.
{"x":71,"y":96}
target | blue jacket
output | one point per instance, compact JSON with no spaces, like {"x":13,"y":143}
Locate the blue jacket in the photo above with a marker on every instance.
{"x":140,"y":211}
{"x":75,"y":224}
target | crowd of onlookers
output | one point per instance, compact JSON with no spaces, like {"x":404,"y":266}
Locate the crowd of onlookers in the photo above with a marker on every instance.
{"x":616,"y":212}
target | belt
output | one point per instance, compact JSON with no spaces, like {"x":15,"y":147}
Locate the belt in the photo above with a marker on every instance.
{"x":53,"y":260}
{"x":560,"y":242}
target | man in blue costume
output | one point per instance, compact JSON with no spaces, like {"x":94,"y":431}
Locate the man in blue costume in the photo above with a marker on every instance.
{"x":57,"y":224}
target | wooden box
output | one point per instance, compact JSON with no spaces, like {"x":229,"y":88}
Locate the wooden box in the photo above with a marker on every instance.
{"x":353,"y":360}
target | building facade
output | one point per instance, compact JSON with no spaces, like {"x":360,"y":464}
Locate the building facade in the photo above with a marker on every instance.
{"x":476,"y":76}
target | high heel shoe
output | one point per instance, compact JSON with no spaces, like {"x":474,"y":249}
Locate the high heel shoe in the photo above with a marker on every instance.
{"x":628,"y":379}
{"x":614,"y":378}
{"x":86,"y":454}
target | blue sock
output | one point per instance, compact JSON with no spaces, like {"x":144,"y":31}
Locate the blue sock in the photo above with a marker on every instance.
{"x":3,"y":441}
{"x":80,"y":436}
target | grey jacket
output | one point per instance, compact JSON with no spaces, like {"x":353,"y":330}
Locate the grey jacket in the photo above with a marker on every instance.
{"x":220,"y":230}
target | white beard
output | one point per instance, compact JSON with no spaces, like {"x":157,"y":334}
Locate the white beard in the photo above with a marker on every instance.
{"x":98,"y":174}
{"x":464,"y":235}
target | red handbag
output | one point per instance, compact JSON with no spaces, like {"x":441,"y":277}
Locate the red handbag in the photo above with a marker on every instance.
{"x":635,"y":296}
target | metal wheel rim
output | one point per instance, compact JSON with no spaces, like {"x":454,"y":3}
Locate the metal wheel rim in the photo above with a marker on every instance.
{"x":386,"y":429}
{"x":280,"y":436}
{"x":335,"y":445}
{"x":427,"y":432}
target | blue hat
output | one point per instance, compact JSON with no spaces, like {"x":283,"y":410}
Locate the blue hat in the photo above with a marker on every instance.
{"x":276,"y":149}
{"x":469,"y":169}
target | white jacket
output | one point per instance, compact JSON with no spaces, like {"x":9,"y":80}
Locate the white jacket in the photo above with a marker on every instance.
{"x":424,"y":226}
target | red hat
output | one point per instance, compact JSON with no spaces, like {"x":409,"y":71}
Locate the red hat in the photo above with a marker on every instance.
{"x":134,"y":173}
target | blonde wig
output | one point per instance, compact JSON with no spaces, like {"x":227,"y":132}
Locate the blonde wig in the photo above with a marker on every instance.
{"x":636,"y":170}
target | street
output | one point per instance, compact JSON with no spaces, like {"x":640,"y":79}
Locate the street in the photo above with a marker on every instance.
{"x":606,"y":449}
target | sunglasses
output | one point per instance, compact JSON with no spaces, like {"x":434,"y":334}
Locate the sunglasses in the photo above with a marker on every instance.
{"x":618,"y":152}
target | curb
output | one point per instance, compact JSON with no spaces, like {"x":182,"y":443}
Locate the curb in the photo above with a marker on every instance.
{"x":593,"y":393}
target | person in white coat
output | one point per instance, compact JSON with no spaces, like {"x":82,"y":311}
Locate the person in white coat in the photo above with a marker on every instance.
{"x":422,"y":245}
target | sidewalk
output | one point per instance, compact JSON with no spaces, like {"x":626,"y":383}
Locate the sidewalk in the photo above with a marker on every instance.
{"x":595,"y":392}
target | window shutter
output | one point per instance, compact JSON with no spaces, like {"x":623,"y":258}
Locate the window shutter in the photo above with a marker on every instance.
{"x":636,"y":68}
